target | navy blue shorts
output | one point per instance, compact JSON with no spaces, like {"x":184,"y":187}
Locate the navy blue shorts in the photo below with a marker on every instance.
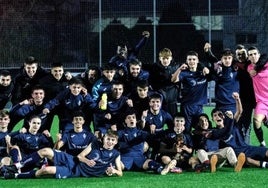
{"x":254,"y":152}
{"x":133,"y":162}
{"x":64,"y":163}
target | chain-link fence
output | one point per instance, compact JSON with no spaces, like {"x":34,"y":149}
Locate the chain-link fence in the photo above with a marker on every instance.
{"x":81,"y":32}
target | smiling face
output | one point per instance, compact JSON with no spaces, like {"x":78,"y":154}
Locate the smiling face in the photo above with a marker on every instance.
{"x":30,"y":69}
{"x":134,"y":70}
{"x":109,"y":141}
{"x":35,"y":124}
{"x":78,"y":122}
{"x":57,"y":72}
{"x":203,"y":122}
{"x":4,"y":121}
{"x":38,"y":96}
{"x":192,"y":62}
{"x":155,"y":104}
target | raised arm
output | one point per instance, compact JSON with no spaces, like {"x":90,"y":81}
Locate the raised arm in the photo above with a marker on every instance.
{"x":175,"y":76}
{"x":239,"y":107}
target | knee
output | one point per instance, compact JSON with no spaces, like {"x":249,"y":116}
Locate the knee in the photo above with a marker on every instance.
{"x":165,"y":159}
{"x":257,"y":122}
{"x":45,"y":152}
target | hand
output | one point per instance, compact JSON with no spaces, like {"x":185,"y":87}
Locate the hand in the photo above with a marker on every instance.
{"x":8,"y":140}
{"x":91,"y":163}
{"x":114,"y":127}
{"x":26,"y":101}
{"x":205,"y":71}
{"x":84,"y":91}
{"x":46,"y":111}
{"x":130,"y":103}
{"x":68,"y":75}
{"x":110,"y":170}
{"x":46,"y":133}
{"x":236,"y":95}
{"x":184,"y":66}
{"x":252,"y":73}
{"x":146,"y":34}
{"x":23,"y":130}
{"x":152,"y":129}
{"x":144,"y":115}
{"x":58,"y":137}
{"x":207,"y":47}
{"x":229,"y":114}
{"x":108,"y":116}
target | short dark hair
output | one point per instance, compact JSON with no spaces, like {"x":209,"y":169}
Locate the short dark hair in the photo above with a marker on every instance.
{"x":130,"y":111}
{"x":155,"y":96}
{"x":194,"y":53}
{"x":142,"y":83}
{"x":108,"y":66}
{"x":253,"y":48}
{"x":5,"y":73}
{"x":75,"y":80}
{"x":56,"y":64}
{"x":135,"y":61}
{"x":78,"y":113}
{"x":37,"y":87}
{"x":178,"y":115}
{"x":30,"y":60}
{"x":227,"y":52}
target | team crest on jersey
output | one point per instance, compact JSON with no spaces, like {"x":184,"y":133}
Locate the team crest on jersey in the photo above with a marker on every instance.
{"x":84,"y":135}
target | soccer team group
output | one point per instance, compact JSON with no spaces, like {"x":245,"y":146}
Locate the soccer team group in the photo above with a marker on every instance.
{"x":124,"y":115}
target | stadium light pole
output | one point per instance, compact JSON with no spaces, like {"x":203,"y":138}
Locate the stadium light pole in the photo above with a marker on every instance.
{"x":154,"y":28}
{"x":100,"y":37}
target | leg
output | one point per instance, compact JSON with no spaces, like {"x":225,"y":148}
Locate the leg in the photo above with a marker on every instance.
{"x":50,"y":170}
{"x":257,"y":121}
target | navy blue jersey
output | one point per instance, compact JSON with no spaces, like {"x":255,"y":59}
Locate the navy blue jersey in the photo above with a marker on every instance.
{"x":70,"y":103}
{"x":115,"y":107}
{"x":159,"y":120}
{"x":131,"y":141}
{"x":102,"y":85}
{"x":226,"y":84}
{"x":29,"y":143}
{"x":75,"y":142}
{"x":103,"y":158}
{"x":194,"y":90}
{"x":3,"y":145}
{"x":201,"y":142}
{"x":25,"y":112}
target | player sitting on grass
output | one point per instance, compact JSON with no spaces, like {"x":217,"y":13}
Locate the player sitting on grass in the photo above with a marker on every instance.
{"x":91,"y":162}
